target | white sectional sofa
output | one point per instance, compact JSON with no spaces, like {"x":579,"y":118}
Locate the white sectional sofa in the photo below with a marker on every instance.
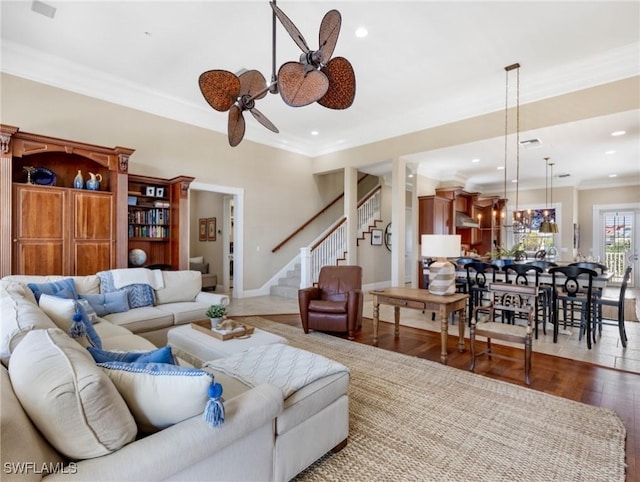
{"x":263,"y":436}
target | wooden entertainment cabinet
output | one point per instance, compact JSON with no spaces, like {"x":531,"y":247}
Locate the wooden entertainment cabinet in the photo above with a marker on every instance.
{"x":49,"y":227}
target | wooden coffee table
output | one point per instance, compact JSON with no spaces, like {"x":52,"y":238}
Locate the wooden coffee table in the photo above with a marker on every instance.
{"x":420,"y":299}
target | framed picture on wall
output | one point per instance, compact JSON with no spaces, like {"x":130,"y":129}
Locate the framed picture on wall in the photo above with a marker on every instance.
{"x":376,"y":237}
{"x":211,"y":229}
{"x":202,"y":222}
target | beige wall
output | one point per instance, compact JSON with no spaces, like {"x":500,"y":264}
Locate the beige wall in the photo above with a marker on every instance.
{"x":203,"y":204}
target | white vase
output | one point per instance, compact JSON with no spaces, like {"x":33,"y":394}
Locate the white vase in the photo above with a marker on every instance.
{"x":215,"y":322}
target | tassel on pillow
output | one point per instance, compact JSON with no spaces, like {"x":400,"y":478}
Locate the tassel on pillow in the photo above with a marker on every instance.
{"x":214,"y":410}
{"x":77,"y":328}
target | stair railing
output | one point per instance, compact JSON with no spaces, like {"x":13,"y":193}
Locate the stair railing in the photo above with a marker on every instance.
{"x":369,"y":211}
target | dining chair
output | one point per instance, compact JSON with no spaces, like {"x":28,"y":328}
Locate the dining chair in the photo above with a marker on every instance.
{"x":462,"y":284}
{"x":573,"y":287}
{"x":508,"y":301}
{"x":618,"y":303}
{"x":529,"y":275}
{"x":477,"y":283}
{"x":545,"y":265}
{"x":540,"y":254}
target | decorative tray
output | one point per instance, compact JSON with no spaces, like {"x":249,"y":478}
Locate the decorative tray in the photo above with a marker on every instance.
{"x":205,"y":327}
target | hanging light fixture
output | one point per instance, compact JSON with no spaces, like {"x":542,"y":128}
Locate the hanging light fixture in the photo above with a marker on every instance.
{"x":315,"y":77}
{"x":518,"y":224}
{"x":547,"y":226}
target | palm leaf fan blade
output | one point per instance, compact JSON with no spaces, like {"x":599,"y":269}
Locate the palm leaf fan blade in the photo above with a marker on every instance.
{"x":235,"y":126}
{"x":342,"y":84}
{"x":260,"y":117}
{"x":299,"y":87}
{"x":328,"y":36}
{"x":220,"y":88}
{"x":291,"y":29}
{"x":253,"y":83}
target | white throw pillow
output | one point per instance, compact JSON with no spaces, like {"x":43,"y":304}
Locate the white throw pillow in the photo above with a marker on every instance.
{"x":158,"y":394}
{"x":61,"y":311}
{"x":197,"y":259}
{"x":71,"y":401}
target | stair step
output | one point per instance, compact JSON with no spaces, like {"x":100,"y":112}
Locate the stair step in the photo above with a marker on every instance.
{"x":284,"y":291}
{"x":290,"y":281}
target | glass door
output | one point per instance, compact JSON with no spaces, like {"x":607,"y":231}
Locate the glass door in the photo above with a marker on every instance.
{"x":619,"y":235}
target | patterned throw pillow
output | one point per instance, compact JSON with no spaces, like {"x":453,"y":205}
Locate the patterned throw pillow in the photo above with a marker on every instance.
{"x":161,"y":355}
{"x":140,"y":295}
{"x":89,"y":311}
{"x":62,"y":289}
{"x":61,"y":311}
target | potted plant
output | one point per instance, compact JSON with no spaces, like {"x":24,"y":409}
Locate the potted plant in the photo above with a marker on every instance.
{"x":216,"y":313}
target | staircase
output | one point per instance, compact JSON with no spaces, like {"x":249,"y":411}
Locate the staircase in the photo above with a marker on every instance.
{"x":288,"y":285}
{"x":328,"y":248}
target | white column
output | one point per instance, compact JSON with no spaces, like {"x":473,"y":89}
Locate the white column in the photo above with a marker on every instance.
{"x":305,"y":267}
{"x":351,"y":213}
{"x":415,"y":254}
{"x":398,"y":205}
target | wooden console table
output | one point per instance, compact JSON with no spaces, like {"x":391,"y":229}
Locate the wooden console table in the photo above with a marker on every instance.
{"x":419,"y":299}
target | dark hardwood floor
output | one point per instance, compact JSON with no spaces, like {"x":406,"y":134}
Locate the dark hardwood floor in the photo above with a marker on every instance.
{"x":574,"y":380}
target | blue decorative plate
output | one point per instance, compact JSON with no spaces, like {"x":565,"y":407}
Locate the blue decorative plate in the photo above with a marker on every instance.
{"x":43,"y":177}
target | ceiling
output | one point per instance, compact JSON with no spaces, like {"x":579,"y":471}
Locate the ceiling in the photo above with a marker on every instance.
{"x":423,"y":64}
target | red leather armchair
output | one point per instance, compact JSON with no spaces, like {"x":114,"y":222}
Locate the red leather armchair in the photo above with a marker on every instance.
{"x":335,"y":304}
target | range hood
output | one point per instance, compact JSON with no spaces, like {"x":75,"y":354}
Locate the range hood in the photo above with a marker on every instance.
{"x":465,"y":221}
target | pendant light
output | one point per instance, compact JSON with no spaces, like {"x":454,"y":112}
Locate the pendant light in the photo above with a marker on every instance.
{"x":516,"y":222}
{"x":548,"y":227}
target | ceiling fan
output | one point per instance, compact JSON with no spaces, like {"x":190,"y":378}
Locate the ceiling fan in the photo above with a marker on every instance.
{"x":316,"y":77}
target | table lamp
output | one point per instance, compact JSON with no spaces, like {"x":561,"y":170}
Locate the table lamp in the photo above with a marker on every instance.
{"x":442,"y":273}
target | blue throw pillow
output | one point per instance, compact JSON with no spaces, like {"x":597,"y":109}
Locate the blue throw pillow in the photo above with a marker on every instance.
{"x":104,"y":304}
{"x":161,"y":355}
{"x":62,"y":289}
{"x":140,"y":295}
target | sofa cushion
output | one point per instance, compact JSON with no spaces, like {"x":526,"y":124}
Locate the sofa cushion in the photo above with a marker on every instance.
{"x":64,"y":288}
{"x":62,"y":311}
{"x":185,"y":312}
{"x":144,"y":319}
{"x":179,"y":286}
{"x":20,"y":314}
{"x":196,"y":259}
{"x":160,"y":395}
{"x":20,"y":439}
{"x":107,"y":303}
{"x":159,"y":355}
{"x":71,"y":401}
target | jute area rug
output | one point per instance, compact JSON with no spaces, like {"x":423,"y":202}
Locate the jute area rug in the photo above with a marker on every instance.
{"x":413,"y":419}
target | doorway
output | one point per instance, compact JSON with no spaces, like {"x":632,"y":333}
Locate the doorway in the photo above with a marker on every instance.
{"x":616,"y":240}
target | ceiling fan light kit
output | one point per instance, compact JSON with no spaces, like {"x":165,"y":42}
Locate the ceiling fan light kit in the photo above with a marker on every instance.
{"x":316,"y":77}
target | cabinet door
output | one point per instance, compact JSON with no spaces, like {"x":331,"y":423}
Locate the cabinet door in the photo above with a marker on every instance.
{"x":441,"y":216}
{"x":93,"y":232}
{"x":39,"y":230}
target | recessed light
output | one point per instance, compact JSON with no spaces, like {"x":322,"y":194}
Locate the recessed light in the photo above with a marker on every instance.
{"x":610,"y":152}
{"x":475,"y":160}
{"x":361,"y":32}
{"x":500,"y":168}
{"x":618,"y":133}
{"x":613,"y":175}
{"x":514,"y":180}
{"x":314,"y":133}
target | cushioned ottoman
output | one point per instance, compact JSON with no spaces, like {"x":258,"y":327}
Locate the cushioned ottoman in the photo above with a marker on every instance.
{"x":196,"y":347}
{"x":315,"y":418}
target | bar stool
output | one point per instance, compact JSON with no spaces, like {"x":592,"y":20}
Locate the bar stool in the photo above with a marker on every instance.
{"x":573,"y":287}
{"x":601,"y":301}
{"x":520,"y":275}
{"x":477,"y":282}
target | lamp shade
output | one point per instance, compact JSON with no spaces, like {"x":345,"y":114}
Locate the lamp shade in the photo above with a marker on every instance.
{"x":441,"y":245}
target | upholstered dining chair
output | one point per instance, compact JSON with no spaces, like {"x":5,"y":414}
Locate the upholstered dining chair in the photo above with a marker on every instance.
{"x":334,"y":304}
{"x":507,"y":302}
